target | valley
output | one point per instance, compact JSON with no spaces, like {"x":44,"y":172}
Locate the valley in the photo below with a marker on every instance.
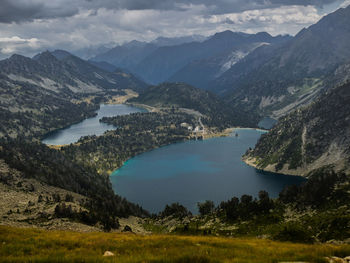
{"x":231,"y":146}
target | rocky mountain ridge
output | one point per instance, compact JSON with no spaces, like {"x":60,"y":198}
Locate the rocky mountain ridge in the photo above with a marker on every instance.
{"x":277,"y":79}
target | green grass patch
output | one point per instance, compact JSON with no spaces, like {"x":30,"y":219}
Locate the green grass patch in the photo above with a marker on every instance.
{"x":32,"y":245}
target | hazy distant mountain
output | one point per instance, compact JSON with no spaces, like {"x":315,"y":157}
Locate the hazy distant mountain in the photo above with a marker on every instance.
{"x":92,"y":51}
{"x":276,"y":79}
{"x":128,"y":55}
{"x":307,"y":139}
{"x":167,"y":63}
{"x":173,"y":41}
{"x":201,"y":72}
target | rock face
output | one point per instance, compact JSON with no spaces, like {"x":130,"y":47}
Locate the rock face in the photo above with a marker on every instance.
{"x":307,"y":139}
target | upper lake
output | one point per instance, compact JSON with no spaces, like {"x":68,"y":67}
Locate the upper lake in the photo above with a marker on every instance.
{"x":90,"y":126}
{"x":196,"y":171}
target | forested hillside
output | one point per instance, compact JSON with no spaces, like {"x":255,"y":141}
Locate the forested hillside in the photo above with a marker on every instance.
{"x":216,"y":112}
{"x":136,"y":134}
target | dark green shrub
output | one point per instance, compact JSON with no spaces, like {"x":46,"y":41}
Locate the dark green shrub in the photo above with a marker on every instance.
{"x":293,"y":232}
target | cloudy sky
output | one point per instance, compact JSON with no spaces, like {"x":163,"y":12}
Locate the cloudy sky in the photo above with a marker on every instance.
{"x":30,"y":26}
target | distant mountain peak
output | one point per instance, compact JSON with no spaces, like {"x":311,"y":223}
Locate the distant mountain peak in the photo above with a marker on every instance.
{"x":225,"y":33}
{"x":172,"y":41}
{"x":135,"y":43}
{"x":61,"y":54}
{"x":18,"y":57}
{"x":263,"y":34}
{"x":46,"y":55}
{"x":228,"y":34}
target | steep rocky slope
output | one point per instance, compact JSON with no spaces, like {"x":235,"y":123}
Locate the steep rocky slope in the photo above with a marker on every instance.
{"x":167,"y":63}
{"x":309,"y":138}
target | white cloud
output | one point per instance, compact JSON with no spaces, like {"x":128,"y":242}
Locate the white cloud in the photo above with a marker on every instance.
{"x":282,"y":15}
{"x":9,"y":45}
{"x":346,"y":3}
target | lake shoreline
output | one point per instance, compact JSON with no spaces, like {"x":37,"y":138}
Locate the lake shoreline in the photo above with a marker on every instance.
{"x":226,"y":133}
{"x":93,"y":126}
{"x":194,"y":171}
{"x":252,"y":163}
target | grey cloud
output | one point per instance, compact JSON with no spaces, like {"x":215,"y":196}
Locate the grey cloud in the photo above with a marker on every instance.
{"x":28,"y":10}
{"x":218,"y":6}
{"x":22,"y":10}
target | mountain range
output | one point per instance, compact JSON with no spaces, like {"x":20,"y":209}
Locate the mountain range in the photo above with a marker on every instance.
{"x":271,"y":76}
{"x":276,"y":79}
{"x":164,"y":61}
{"x":130,"y":54}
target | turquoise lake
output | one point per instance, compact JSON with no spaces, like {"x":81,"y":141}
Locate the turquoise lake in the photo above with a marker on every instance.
{"x":196,"y":171}
{"x":90,"y":126}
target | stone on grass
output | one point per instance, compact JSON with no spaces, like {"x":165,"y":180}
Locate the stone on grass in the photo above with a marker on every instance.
{"x":108,"y":254}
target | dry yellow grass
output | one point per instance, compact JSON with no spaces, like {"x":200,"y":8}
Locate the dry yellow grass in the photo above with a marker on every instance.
{"x":122,"y":99}
{"x":33,"y":245}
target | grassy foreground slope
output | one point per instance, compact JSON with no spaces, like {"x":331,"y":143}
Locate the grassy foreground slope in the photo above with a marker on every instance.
{"x":33,"y":245}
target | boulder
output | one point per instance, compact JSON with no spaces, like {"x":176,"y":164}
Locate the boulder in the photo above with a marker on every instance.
{"x":108,"y":254}
{"x":336,"y":260}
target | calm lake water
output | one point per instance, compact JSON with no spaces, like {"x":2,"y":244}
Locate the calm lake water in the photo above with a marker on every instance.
{"x":196,"y":171}
{"x":90,"y":126}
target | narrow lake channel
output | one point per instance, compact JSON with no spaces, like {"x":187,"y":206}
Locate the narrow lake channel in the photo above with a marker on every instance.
{"x":90,"y":126}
